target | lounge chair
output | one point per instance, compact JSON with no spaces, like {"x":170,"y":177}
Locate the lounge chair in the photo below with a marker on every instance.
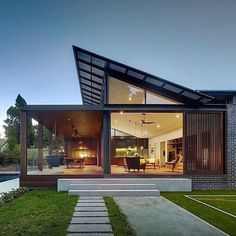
{"x":175,"y":163}
{"x":153,"y":162}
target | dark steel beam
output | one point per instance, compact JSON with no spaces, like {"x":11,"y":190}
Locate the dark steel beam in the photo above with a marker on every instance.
{"x":162,"y":108}
{"x":23,"y":142}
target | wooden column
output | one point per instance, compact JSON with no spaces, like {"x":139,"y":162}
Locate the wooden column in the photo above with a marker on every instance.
{"x":40,"y":146}
{"x":23,"y":143}
{"x":106,"y":143}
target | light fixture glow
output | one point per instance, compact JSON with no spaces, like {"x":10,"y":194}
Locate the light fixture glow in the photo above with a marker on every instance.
{"x":130,"y":99}
{"x":158,"y":126}
{"x":121,"y":112}
{"x":177,"y":116}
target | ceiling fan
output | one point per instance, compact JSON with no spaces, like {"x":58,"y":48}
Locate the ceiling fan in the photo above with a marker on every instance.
{"x":144,"y":122}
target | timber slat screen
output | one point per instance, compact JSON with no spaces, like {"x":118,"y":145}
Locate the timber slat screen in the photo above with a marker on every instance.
{"x":203,"y":143}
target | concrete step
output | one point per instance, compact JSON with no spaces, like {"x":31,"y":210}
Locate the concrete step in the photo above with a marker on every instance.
{"x":117,"y":193}
{"x":112,"y":186}
{"x":162,"y":184}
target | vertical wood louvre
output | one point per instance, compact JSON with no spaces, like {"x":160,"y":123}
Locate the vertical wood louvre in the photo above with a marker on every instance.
{"x":203,"y":143}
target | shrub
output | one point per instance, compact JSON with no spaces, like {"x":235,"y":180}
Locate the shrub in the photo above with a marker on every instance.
{"x":10,"y":157}
{"x":12,"y":195}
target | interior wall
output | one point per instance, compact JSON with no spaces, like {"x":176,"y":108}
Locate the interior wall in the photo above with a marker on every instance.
{"x":154,"y":143}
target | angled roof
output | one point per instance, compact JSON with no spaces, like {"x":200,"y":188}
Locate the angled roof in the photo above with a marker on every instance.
{"x":92,"y":70}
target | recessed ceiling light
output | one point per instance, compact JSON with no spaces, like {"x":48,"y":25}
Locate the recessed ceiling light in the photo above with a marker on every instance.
{"x":130,"y":99}
{"x":145,"y":131}
{"x":177,"y":116}
{"x":158,"y":126}
{"x":121,"y":112}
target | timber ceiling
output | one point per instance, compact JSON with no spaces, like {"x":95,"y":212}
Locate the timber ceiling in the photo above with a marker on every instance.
{"x":87,"y":123}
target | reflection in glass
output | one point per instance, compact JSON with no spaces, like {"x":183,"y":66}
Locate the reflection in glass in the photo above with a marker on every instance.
{"x":153,"y":98}
{"x":124,"y":93}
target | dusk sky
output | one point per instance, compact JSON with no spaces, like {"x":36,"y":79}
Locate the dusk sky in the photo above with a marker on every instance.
{"x":189,"y":42}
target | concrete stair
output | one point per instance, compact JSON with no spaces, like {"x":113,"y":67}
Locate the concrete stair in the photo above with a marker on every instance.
{"x":114,"y":188}
{"x":123,"y":186}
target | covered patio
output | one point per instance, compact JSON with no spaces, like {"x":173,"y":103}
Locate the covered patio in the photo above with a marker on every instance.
{"x":69,"y":141}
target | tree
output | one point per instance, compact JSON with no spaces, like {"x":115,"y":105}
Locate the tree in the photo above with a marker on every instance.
{"x":12,"y":127}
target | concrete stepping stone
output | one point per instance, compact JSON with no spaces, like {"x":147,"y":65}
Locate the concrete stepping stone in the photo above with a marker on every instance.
{"x":90,"y":209}
{"x":91,"y":201}
{"x":90,"y":228}
{"x":89,"y":234}
{"x":90,"y":198}
{"x":89,"y":204}
{"x":90,"y":220}
{"x":90,"y":214}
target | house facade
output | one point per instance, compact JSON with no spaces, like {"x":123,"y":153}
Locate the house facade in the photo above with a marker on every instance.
{"x":132,"y":124}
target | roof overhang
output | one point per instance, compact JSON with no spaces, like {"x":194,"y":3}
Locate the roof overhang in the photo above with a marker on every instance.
{"x":92,"y":70}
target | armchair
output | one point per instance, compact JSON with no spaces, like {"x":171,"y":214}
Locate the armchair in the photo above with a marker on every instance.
{"x":134,"y":163}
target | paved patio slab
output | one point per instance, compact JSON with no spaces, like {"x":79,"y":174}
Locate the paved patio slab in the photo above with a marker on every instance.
{"x":92,"y":201}
{"x":91,"y":214}
{"x":153,"y":216}
{"x":90,"y":220}
{"x":87,"y":228}
{"x":90,"y":209}
{"x":90,"y":204}
{"x":89,"y":234}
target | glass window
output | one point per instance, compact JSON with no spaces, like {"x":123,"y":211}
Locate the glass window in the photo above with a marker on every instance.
{"x":123,"y":93}
{"x":153,"y":98}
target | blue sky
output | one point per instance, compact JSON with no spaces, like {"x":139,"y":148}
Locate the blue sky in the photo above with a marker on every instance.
{"x":186,"y":41}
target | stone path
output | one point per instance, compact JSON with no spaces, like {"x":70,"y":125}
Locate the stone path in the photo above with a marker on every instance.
{"x":90,"y":218}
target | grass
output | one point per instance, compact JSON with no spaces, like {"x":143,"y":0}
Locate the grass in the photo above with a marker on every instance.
{"x":225,"y":203}
{"x":119,"y":221}
{"x":218,"y":219}
{"x":38,"y":213}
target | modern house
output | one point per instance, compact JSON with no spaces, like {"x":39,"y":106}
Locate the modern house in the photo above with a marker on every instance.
{"x":134,"y":124}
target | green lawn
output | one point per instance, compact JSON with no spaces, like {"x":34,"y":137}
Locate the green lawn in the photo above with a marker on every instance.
{"x":38,"y":213}
{"x":119,"y":221}
{"x":220,"y":220}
